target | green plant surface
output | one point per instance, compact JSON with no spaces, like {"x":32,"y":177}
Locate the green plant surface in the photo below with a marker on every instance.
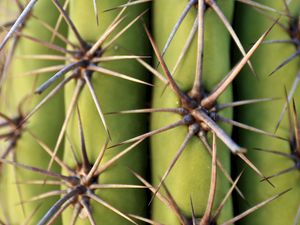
{"x":114,"y":94}
{"x":19,"y":100}
{"x":75,"y":108}
{"x":249,"y":25}
{"x":190,"y":177}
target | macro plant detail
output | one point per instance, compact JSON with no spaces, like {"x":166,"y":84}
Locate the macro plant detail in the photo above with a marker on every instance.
{"x":14,"y":104}
{"x":203,"y":103}
{"x":149,"y":112}
{"x":13,"y":129}
{"x":79,"y":186}
{"x":272,"y":119}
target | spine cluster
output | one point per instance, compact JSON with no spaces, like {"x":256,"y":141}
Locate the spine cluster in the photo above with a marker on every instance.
{"x":149,"y":112}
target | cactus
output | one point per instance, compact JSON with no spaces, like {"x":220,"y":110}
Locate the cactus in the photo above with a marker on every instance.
{"x":125,"y":112}
{"x":22,"y":148}
{"x":279,"y":79}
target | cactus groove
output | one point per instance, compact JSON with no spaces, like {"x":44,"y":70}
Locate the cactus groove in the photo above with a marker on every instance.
{"x":149,"y":112}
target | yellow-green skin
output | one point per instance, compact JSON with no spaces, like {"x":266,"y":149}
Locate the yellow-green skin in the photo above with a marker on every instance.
{"x":190,"y":178}
{"x":8,"y":11}
{"x":114,"y":94}
{"x":44,"y":124}
{"x":5,"y":16}
{"x":250,"y":24}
